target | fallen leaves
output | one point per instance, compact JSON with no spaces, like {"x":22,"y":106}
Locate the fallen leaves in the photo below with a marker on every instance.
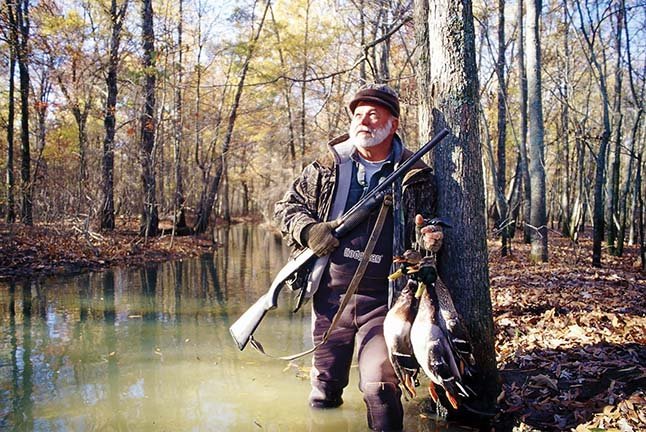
{"x":68,"y":247}
{"x":570,"y":342}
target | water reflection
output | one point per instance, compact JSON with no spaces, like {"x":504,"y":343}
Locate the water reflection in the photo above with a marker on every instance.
{"x":149,"y":349}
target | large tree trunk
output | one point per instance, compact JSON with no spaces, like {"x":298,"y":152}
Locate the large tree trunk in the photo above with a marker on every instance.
{"x":149,"y":216}
{"x":109,"y":121}
{"x":22,"y":21}
{"x":448,"y":97}
{"x":538,"y":218}
{"x":10,"y":215}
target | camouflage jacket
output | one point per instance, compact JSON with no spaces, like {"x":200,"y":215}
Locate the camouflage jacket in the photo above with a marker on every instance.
{"x":312,"y":196}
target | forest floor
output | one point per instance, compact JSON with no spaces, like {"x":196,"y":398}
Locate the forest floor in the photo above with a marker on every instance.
{"x":570,"y":338}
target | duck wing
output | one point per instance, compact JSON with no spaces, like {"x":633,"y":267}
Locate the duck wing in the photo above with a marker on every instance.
{"x":397,"y":326}
{"x":432,"y":349}
{"x":454,"y":327}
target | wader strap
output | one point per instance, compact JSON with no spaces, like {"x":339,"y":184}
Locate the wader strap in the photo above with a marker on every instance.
{"x":352,"y":288}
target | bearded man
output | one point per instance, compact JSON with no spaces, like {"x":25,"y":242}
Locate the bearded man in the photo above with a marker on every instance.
{"x":326,"y":189}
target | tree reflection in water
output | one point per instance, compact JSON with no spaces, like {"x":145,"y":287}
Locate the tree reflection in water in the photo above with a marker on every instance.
{"x":149,"y":349}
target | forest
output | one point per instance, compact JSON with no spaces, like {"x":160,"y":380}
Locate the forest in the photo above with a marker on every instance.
{"x":176,"y":116}
{"x":188,"y":111}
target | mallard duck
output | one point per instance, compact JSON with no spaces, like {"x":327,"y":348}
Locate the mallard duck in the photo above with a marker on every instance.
{"x":397,"y":326}
{"x":454,"y":327}
{"x":433,"y":350}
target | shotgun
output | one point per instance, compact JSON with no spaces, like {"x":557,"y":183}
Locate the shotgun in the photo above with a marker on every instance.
{"x":243,"y":328}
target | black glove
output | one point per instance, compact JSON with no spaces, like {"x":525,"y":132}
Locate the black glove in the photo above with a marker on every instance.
{"x":319,"y":238}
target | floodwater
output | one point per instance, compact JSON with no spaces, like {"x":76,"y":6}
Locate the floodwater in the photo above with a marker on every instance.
{"x":149,"y":350}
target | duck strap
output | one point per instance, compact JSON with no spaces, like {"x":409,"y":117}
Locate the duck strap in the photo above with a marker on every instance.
{"x":352,"y":287}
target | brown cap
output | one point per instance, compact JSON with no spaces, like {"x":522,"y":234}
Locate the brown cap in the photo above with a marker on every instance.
{"x":378,"y":93}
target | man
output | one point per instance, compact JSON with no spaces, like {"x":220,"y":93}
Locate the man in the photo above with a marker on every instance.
{"x":325,"y":190}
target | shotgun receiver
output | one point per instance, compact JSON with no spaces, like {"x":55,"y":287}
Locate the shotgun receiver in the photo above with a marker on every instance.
{"x":243,"y":328}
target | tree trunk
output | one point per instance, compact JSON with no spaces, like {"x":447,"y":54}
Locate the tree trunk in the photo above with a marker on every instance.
{"x":501,"y":185}
{"x":149,"y":217}
{"x":22,"y":21}
{"x":600,"y":169}
{"x":179,"y":216}
{"x":538,"y":217}
{"x":612,"y":199}
{"x":10,"y":215}
{"x":107,"y":215}
{"x":448,"y":96}
{"x":566,"y":193}
{"x":524,"y":163}
{"x":206,"y":202}
{"x":81,"y":123}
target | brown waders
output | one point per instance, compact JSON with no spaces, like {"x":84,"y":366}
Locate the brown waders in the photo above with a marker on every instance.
{"x":361,"y":321}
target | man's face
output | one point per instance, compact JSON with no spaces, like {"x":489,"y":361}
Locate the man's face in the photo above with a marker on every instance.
{"x":371,"y":125}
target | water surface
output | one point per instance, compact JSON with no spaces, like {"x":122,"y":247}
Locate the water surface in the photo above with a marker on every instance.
{"x":149,"y":350}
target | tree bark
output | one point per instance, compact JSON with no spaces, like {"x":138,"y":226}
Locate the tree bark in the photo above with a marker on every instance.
{"x":501,"y":184}
{"x":22,"y":22}
{"x":604,"y":138}
{"x":448,"y":97}
{"x":612,"y":198}
{"x":564,"y":89}
{"x":524,"y":163}
{"x":538,"y":217}
{"x":10,"y":215}
{"x":107,"y":216}
{"x":179,"y":215}
{"x":149,"y":217}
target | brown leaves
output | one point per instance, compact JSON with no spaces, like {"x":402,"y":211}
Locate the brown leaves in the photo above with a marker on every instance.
{"x":69,"y":247}
{"x":570,"y":341}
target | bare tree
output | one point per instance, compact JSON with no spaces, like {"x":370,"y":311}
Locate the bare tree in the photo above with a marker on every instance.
{"x":538,"y":218}
{"x":12,"y":36}
{"x":207,"y":200}
{"x":588,"y":37}
{"x":149,"y":216}
{"x":107,"y":217}
{"x":179,"y":216}
{"x":22,"y":24}
{"x":522,"y":143}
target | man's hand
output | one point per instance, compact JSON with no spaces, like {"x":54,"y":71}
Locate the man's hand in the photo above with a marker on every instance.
{"x":320,"y":239}
{"x":432,"y":235}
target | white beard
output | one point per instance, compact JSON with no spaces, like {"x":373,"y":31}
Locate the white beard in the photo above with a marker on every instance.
{"x":376,"y":136}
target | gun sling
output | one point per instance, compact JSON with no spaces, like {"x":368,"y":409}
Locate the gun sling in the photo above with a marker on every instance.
{"x":352,"y":287}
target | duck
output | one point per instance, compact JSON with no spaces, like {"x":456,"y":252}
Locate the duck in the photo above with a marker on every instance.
{"x":434,"y":351}
{"x":455,"y":329}
{"x":448,"y":317}
{"x":397,"y":326}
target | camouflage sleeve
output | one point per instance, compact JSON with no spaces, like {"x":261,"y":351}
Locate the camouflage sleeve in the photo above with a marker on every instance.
{"x":419,"y":196}
{"x":297,"y":209}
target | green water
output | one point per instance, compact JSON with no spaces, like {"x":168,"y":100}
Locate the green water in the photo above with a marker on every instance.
{"x":149,"y":350}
